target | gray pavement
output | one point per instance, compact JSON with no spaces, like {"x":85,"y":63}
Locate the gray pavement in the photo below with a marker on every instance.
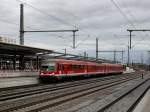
{"x":17,"y":81}
{"x":144,"y":105}
{"x":11,"y":73}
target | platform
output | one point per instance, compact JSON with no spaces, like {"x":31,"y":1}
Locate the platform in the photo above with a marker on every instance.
{"x":11,"y":73}
{"x":144,"y":104}
{"x":17,"y":81}
{"x":18,"y":78}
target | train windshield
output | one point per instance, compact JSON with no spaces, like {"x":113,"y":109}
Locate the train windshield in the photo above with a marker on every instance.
{"x":50,"y":67}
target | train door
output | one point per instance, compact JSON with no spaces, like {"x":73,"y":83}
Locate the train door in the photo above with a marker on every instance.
{"x":65,"y":68}
{"x":62,"y":68}
{"x":105,"y":69}
{"x":58,"y":68}
{"x":86,"y":68}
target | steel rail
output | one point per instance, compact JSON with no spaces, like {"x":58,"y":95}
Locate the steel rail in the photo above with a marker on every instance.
{"x":7,"y":95}
{"x":122,"y":96}
{"x":97,"y":88}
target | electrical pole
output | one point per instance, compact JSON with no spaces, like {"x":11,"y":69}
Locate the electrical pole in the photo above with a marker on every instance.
{"x":74,"y":39}
{"x":65,"y":51}
{"x":142,"y":58}
{"x":115,"y":56}
{"x":142,"y":66}
{"x":131,"y":30}
{"x":114,"y":53}
{"x":122,"y":57}
{"x":128,"y":56}
{"x":22,"y":31}
{"x":85,"y":55}
{"x":96,"y":48}
{"x":43,"y":31}
{"x":130,"y":38}
{"x":149,"y":60}
{"x":21,"y":24}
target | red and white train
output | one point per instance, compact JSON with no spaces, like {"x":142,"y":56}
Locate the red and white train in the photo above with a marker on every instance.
{"x":59,"y":68}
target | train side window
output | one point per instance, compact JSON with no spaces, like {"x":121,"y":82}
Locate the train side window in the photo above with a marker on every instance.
{"x":75,"y":67}
{"x":62,"y":67}
{"x":69,"y":67}
{"x":79,"y":66}
{"x":57,"y":66}
{"x":72,"y":67}
{"x":82,"y":66}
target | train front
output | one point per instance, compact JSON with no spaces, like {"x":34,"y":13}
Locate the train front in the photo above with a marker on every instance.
{"x":48,"y":70}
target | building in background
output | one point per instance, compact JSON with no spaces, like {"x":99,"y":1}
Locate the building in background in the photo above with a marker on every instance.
{"x":7,"y":40}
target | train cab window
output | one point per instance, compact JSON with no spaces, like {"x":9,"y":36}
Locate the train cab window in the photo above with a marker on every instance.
{"x":44,"y":68}
{"x":51,"y":68}
{"x":48,"y":66}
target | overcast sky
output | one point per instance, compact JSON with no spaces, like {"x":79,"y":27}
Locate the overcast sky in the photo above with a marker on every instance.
{"x":107,"y":20}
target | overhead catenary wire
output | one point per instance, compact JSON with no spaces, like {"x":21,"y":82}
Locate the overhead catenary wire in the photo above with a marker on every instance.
{"x":82,"y":41}
{"x":45,"y":13}
{"x":30,"y":27}
{"x":122,"y":13}
{"x":16,"y":24}
{"x":9,"y":22}
{"x":49,"y":15}
{"x":13,"y":23}
{"x":126,"y":18}
{"x":134,"y":19}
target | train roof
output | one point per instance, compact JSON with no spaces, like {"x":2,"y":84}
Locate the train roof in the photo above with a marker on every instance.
{"x":110,"y":64}
{"x":65,"y":61}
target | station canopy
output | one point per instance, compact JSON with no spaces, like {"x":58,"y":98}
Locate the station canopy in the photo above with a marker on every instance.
{"x":7,"y":50}
{"x":14,"y":49}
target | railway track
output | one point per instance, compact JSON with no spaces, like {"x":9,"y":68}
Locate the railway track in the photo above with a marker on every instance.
{"x":128,"y":101}
{"x":40,"y":88}
{"x":40,"y":99}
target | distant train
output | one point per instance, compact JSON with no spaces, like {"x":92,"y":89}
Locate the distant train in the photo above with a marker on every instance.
{"x":61,"y":68}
